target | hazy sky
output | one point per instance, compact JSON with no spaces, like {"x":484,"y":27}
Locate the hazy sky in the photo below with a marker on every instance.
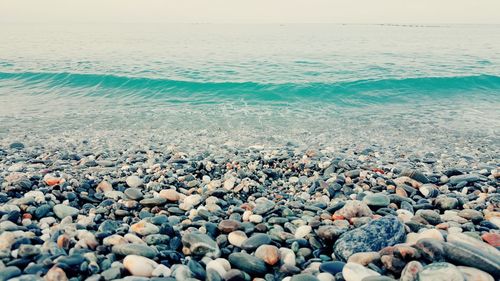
{"x":251,"y":11}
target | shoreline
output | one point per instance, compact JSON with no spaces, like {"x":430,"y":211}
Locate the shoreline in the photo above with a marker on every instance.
{"x":82,"y":210}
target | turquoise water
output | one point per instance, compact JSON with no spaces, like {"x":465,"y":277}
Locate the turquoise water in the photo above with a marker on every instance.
{"x":255,"y":77}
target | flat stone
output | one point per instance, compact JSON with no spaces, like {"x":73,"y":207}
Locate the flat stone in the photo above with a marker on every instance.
{"x":134,"y":181}
{"x":357,"y":272}
{"x":376,"y":200}
{"x":354,"y":209}
{"x":200,"y":244}
{"x":304,"y":277}
{"x":410,"y":271}
{"x":133,"y":193}
{"x":144,"y":228}
{"x":134,"y":249}
{"x":474,"y":274}
{"x":332,"y":267}
{"x":170,"y":194}
{"x":255,"y":241}
{"x":263,"y":206}
{"x":9,"y":272}
{"x":227,"y":226}
{"x":436,"y":271}
{"x":465,"y":250}
{"x":454,"y":180}
{"x":302,"y":231}
{"x":139,"y":265}
{"x":371,"y":237}
{"x":248,"y":263}
{"x":268,"y":253}
{"x":63,"y":211}
{"x":155,"y":201}
{"x":236,"y":238}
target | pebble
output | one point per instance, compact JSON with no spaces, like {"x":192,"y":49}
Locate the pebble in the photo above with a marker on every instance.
{"x":256,"y":240}
{"x":170,"y":194}
{"x":268,"y":253}
{"x":62,"y":211}
{"x":236,"y":238}
{"x":436,"y":271}
{"x":248,"y":263}
{"x":376,"y":200}
{"x":134,"y":249}
{"x":144,"y":228}
{"x":139,"y":265}
{"x":134,"y":181}
{"x":199,"y":244}
{"x":302,"y":231}
{"x":373,"y":236}
{"x":356,"y":272}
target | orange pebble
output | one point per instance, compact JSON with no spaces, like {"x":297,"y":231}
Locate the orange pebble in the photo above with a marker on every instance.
{"x":337,"y":217}
{"x":27,"y":216}
{"x":53,"y":181}
{"x":492,"y":238}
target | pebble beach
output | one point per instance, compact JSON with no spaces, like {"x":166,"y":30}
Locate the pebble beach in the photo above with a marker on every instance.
{"x":79,"y":210}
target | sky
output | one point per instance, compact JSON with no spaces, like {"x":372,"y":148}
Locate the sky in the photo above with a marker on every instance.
{"x":251,"y":11}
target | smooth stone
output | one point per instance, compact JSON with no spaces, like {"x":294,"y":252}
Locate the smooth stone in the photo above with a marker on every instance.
{"x":56,"y":274}
{"x":410,"y":271}
{"x":161,"y":271}
{"x":221,"y":266}
{"x":470,"y":214}
{"x":255,"y":241}
{"x":465,"y":250}
{"x":134,"y":181}
{"x":134,"y":249}
{"x":268,"y":253}
{"x":236,"y":238}
{"x":446,"y":203}
{"x":155,"y":201}
{"x":170,"y":194}
{"x":111,"y":273}
{"x":139,"y":265}
{"x":325,"y":276}
{"x":454,"y":180}
{"x":432,"y":233}
{"x":248,"y":263}
{"x":9,"y":272}
{"x":354,"y":209}
{"x":439,"y":270}
{"x":430,"y":216}
{"x":133,"y":193}
{"x":376,"y":200}
{"x":302,"y":231}
{"x":371,"y":237}
{"x":227,"y":226}
{"x":357,"y":272}
{"x":263,"y":205}
{"x":104,"y":186}
{"x":200,"y":244}
{"x":144,"y":228}
{"x":190,"y":201}
{"x":62,"y":211}
{"x":492,"y":238}
{"x":332,"y":267}
{"x":474,"y":274}
{"x":25,"y":251}
{"x":304,"y":277}
{"x":364,"y":258}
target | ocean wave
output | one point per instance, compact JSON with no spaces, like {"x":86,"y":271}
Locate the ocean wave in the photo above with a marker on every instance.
{"x":345,"y":91}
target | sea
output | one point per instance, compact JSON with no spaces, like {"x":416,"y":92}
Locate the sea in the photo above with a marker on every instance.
{"x":421,"y":86}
